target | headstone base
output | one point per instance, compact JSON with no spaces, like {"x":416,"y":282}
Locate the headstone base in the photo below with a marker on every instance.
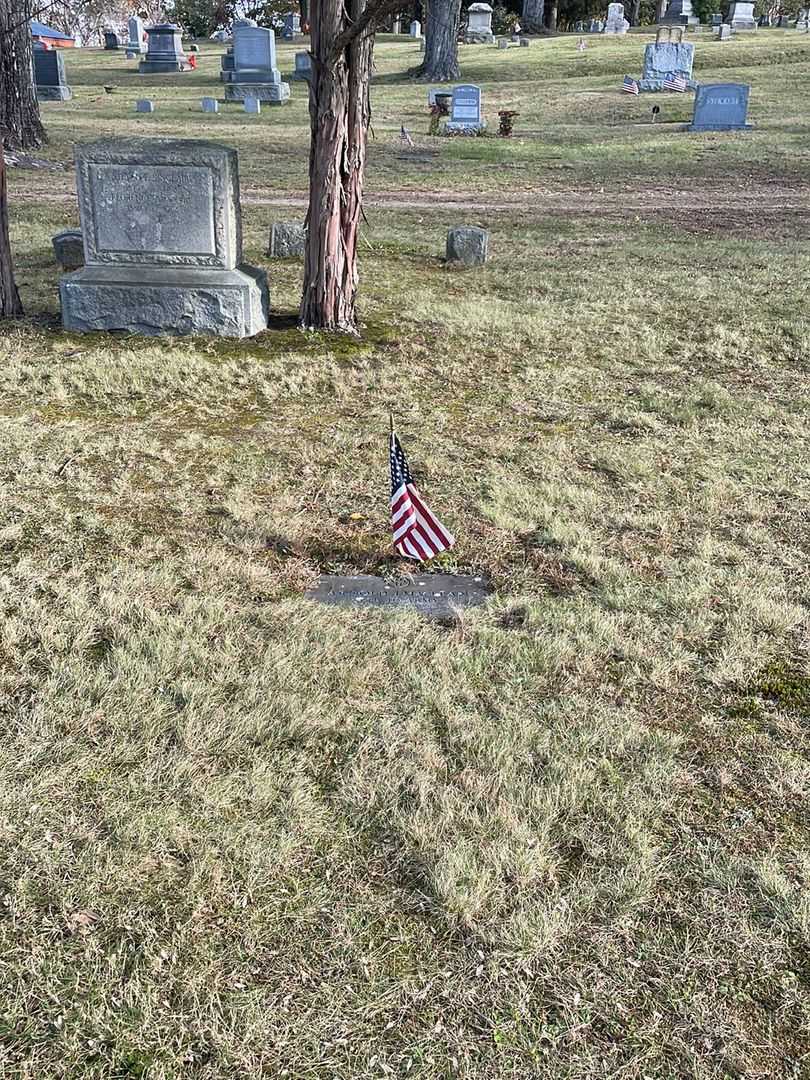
{"x":658,"y":84}
{"x":171,"y":300}
{"x":459,"y":127}
{"x":274,"y":93}
{"x":719,"y":127}
{"x":54,"y":93}
{"x":479,"y":37}
{"x":161,"y":67}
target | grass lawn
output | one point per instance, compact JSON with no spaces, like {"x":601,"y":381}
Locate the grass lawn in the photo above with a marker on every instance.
{"x":565,"y":837}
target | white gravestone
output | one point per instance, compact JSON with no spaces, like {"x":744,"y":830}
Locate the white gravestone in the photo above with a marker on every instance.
{"x":136,"y":44}
{"x":479,"y":25}
{"x":741,"y":17}
{"x":416,"y":28}
{"x":616,"y":22}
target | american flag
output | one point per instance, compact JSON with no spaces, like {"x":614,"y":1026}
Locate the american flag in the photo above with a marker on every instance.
{"x":418,"y":534}
{"x":630,"y":86}
{"x":676,"y":83}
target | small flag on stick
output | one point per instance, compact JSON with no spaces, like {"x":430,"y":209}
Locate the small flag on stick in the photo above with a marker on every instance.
{"x":630,"y":86}
{"x":676,"y":83}
{"x":418,"y":534}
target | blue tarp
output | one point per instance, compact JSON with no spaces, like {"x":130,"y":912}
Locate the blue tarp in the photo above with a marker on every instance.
{"x":39,"y":29}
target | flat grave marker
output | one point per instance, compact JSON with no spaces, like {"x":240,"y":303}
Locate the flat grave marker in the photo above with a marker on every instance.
{"x":434,"y":595}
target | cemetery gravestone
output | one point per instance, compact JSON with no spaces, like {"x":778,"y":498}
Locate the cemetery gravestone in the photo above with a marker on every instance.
{"x":465,"y":111}
{"x":136,"y":44}
{"x":479,"y":25}
{"x":253,"y":105}
{"x":209,"y":105}
{"x":111,"y":40}
{"x":803,"y":20}
{"x":741,"y":16}
{"x":680,"y":13}
{"x":616,"y":22}
{"x":664,"y":58}
{"x":292,"y":25}
{"x":467,"y":245}
{"x":287,"y":240}
{"x":144,"y":105}
{"x":723,"y":32}
{"x":416,"y":29}
{"x":783,"y":22}
{"x":721,"y":107}
{"x":717,"y":20}
{"x":163,"y":242}
{"x":68,"y":247}
{"x":433,"y":595}
{"x":164,"y":51}
{"x":503,"y":43}
{"x":303,"y":66}
{"x":49,"y":76}
{"x":254,"y":73}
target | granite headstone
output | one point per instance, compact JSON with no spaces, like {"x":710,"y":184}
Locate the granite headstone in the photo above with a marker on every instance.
{"x":254,"y":73}
{"x":164,"y":51}
{"x":721,"y":107}
{"x":49,"y":75}
{"x":163,"y":242}
{"x":465,"y":111}
{"x":479,"y":25}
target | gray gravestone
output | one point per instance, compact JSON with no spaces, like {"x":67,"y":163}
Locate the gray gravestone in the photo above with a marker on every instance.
{"x":303,"y":66}
{"x":503,"y":43}
{"x":163,"y":242}
{"x":292,"y":25}
{"x":723,"y":32}
{"x":664,"y":59}
{"x":287,"y":240}
{"x":479,"y":25}
{"x":253,"y":105}
{"x":680,"y":13}
{"x":783,"y":22}
{"x":164,"y":51}
{"x":209,"y":105}
{"x":616,"y":22}
{"x":525,"y":42}
{"x":465,"y":112}
{"x":434,"y":595}
{"x":467,"y":245}
{"x":803,"y":19}
{"x":49,"y":75}
{"x":721,"y":107}
{"x":68,"y":247}
{"x":144,"y":105}
{"x":415,"y":29}
{"x":136,"y":45}
{"x":254,"y":73}
{"x":741,"y":16}
{"x":111,"y":40}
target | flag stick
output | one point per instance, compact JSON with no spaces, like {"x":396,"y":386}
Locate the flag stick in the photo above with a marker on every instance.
{"x":391,"y":421}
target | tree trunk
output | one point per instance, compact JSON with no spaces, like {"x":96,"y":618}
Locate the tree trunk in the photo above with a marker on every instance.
{"x":304,"y":10}
{"x":20,"y":124}
{"x":635,"y":13}
{"x":10,"y":306}
{"x":441,"y":42}
{"x":551,"y":17}
{"x":340,"y":113}
{"x":533,"y":16}
{"x":660,"y":10}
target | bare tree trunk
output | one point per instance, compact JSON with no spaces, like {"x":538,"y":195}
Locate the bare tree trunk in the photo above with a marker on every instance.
{"x":533,"y":16}
{"x":20,"y":124}
{"x":10,"y":306}
{"x":635,"y":13}
{"x":441,"y":42}
{"x":660,"y":10}
{"x":551,"y":17}
{"x":340,"y":113}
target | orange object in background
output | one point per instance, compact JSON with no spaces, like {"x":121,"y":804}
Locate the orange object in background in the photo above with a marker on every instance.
{"x":192,"y":61}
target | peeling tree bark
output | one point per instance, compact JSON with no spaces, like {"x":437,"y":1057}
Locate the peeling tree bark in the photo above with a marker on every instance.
{"x":20,"y":123}
{"x":341,"y":44}
{"x":443,"y":18}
